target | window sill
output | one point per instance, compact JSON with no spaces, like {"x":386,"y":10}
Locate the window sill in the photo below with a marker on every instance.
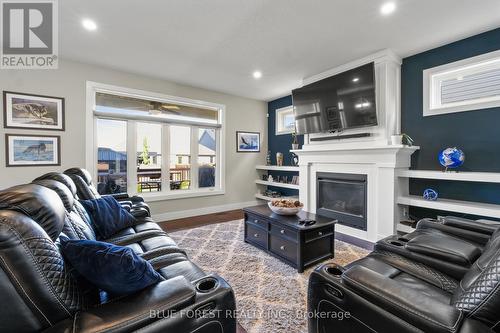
{"x":180,"y":194}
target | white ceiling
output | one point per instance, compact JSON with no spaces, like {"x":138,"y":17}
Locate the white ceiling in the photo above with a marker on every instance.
{"x":217,"y":44}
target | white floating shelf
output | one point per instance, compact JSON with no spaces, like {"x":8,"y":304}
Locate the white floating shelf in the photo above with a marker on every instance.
{"x":484,"y":177}
{"x":404,"y":228}
{"x":277,"y":168}
{"x":466,"y":207}
{"x":276,"y":184}
{"x":263,"y":197}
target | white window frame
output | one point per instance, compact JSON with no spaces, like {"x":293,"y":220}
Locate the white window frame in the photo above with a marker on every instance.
{"x":166,"y":194}
{"x":279,"y":120}
{"x":433,"y":77}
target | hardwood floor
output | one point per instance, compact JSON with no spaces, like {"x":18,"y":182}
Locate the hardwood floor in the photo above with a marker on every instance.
{"x":197,"y":221}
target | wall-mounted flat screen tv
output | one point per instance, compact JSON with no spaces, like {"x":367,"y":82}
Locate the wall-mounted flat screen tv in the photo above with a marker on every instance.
{"x":337,"y":103}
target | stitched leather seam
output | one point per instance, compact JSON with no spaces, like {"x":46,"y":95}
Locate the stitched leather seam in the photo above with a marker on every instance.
{"x":442,"y":250}
{"x":404,"y":307}
{"x":125,"y":323}
{"x":24,"y":291}
{"x":487,"y":298}
{"x":37,"y":266}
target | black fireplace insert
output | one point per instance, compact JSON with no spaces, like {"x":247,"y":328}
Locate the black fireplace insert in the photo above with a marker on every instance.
{"x":343,"y":197}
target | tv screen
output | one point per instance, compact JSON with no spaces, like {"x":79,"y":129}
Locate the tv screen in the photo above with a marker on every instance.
{"x":342,"y":101}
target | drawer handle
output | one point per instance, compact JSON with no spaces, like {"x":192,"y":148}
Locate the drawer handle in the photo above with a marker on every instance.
{"x":320,"y":233}
{"x":256,"y":235}
{"x":282,"y":231}
{"x":282,"y":247}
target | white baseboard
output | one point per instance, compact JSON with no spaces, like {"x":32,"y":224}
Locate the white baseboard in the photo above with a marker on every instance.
{"x":165,"y":217}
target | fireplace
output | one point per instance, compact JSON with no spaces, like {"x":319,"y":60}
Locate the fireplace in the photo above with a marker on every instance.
{"x":343,"y":197}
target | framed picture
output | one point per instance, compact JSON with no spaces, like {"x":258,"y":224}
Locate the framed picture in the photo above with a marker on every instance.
{"x":32,"y":150}
{"x":33,"y":111}
{"x":285,"y":120}
{"x":247,"y":142}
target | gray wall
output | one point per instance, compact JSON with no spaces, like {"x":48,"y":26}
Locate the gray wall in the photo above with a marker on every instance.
{"x":69,"y":81}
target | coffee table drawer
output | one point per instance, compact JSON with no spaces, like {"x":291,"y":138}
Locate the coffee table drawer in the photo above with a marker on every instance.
{"x":282,"y":231}
{"x":284,"y":248}
{"x":256,"y":235}
{"x":318,"y":233}
{"x":254,"y":219}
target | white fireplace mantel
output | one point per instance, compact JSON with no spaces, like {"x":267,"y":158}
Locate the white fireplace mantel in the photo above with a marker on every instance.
{"x":380,"y":164}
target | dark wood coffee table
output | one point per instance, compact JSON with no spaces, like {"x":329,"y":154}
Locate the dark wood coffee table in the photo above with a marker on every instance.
{"x":298,"y":245}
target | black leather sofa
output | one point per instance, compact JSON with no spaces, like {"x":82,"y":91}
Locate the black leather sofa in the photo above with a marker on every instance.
{"x":41,"y":293}
{"x":397,"y":290}
{"x":85,"y":190}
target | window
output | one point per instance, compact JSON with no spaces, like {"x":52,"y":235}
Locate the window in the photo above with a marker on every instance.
{"x":465,"y":85}
{"x":159,"y":146}
{"x":285,"y":120}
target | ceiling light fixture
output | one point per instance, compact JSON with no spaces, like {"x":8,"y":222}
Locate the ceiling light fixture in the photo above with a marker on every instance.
{"x":89,"y":25}
{"x":388,"y":8}
{"x":356,"y":79}
{"x":257,"y":75}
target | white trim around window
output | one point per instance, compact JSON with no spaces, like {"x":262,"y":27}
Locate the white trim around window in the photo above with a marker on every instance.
{"x":280,"y":115}
{"x":465,"y":85}
{"x":167,"y":194}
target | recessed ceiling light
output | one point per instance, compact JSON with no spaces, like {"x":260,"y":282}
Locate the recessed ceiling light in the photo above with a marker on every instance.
{"x":356,"y":79}
{"x":89,"y":24}
{"x":388,"y":8}
{"x":257,"y":74}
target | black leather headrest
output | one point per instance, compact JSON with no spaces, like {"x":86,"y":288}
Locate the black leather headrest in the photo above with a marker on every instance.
{"x":62,"y":191}
{"x":60,"y":177}
{"x":80,"y":172}
{"x":38,"y":202}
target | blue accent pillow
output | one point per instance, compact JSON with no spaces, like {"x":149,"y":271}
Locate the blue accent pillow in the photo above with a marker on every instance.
{"x":117,"y":270}
{"x":108,"y":216}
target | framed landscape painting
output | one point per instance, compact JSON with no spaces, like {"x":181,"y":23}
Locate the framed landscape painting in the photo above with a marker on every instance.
{"x":33,"y":111}
{"x":32,"y":150}
{"x":247,"y":142}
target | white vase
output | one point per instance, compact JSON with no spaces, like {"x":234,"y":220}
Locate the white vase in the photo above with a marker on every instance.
{"x":295,"y":146}
{"x":396,"y":140}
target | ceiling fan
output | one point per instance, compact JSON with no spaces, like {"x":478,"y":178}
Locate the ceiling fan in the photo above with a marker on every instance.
{"x":157,"y":108}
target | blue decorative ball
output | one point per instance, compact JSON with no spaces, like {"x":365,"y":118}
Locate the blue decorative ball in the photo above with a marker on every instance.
{"x":430,"y":194}
{"x":451,"y":157}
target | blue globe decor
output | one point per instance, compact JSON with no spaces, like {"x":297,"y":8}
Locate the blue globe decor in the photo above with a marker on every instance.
{"x":451,"y":158}
{"x":430,"y":194}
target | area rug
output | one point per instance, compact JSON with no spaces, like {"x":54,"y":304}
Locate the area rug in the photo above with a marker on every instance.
{"x":271,"y":296}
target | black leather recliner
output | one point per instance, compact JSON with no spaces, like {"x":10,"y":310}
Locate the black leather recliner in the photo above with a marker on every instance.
{"x":388,"y":292}
{"x":86,"y":190}
{"x":453,"y":244}
{"x":41,"y":293}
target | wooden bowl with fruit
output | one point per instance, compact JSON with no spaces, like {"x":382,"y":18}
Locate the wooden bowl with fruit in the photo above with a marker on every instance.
{"x":285,"y":206}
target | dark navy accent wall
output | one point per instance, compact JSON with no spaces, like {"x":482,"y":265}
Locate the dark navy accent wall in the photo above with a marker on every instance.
{"x":477,"y":133}
{"x":280,"y":143}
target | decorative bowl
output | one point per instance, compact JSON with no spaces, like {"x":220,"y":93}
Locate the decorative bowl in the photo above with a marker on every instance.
{"x":284,"y":210}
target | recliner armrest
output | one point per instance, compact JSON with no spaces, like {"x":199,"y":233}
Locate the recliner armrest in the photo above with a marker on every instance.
{"x":132,"y":312}
{"x":416,"y":308}
{"x":473,"y":236}
{"x":480,"y":226}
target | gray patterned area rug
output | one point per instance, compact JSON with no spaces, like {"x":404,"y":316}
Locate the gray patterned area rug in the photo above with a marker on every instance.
{"x":271,"y":296}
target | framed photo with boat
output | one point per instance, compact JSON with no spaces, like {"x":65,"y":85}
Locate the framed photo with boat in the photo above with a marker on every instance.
{"x":32,"y":150}
{"x":31,"y":111}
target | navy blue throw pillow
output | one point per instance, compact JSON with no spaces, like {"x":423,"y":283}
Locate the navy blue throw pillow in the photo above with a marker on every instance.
{"x":115,"y":269}
{"x":108,"y":216}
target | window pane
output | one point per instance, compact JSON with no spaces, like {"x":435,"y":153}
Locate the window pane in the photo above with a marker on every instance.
{"x":180,"y":157}
{"x":148,"y":157}
{"x":111,"y":156}
{"x":206,"y":157}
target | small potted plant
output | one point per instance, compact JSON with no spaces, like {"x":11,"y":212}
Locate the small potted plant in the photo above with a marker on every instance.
{"x":295,"y":142}
{"x":400,"y":139}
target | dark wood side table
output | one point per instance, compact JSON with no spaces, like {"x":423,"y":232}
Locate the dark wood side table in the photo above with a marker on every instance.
{"x":283,"y":237}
